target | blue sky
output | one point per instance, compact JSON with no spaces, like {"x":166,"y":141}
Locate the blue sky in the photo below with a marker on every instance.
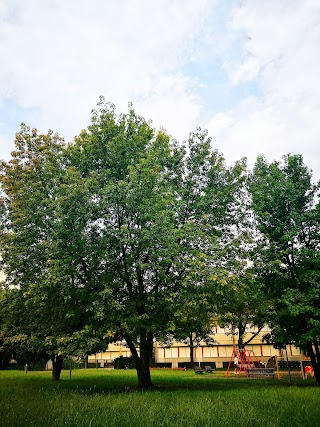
{"x":247,"y":70}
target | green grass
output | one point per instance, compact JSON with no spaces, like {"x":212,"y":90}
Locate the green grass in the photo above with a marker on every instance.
{"x":110,"y":398}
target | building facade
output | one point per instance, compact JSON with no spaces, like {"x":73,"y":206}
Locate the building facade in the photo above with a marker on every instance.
{"x":219,"y":354}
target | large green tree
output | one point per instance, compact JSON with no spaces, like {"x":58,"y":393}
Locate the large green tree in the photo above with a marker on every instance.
{"x":107,"y":231}
{"x":287,"y":210}
{"x":28,"y":187}
{"x":42,"y":304}
{"x":210,"y":196}
{"x":158,"y":210}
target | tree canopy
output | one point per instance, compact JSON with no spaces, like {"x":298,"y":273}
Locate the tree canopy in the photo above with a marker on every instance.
{"x":287,"y":210}
{"x":125,"y":233}
{"x":109,"y":228}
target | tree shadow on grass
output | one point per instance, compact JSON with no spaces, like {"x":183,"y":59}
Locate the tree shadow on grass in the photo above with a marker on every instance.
{"x":117,"y":384}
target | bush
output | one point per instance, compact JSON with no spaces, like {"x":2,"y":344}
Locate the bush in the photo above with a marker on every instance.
{"x":123,"y":363}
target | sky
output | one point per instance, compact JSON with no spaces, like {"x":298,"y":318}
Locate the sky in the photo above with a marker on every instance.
{"x":246,"y":70}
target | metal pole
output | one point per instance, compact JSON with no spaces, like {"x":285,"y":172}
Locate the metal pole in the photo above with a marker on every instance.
{"x":277,"y":367}
{"x":289,"y":372}
{"x":301,"y":367}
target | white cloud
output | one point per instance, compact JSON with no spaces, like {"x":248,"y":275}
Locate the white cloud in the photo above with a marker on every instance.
{"x":58,"y":57}
{"x":280,"y":54}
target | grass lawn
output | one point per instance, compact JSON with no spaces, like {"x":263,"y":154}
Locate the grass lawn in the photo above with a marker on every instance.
{"x":98,"y":397}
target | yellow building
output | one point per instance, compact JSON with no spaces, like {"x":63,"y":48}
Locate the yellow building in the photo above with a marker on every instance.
{"x":220,"y":353}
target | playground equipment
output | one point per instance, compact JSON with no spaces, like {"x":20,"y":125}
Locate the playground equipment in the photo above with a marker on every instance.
{"x":243,"y":360}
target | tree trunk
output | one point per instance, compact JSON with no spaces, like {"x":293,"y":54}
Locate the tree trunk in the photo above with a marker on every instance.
{"x":191,"y":346}
{"x":150,"y":345}
{"x":316,"y":368}
{"x":241,"y":334}
{"x":316,"y":347}
{"x":57,"y":362}
{"x":314,"y":363}
{"x":142,"y":362}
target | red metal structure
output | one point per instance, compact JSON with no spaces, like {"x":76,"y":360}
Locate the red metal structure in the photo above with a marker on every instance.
{"x":246,"y":360}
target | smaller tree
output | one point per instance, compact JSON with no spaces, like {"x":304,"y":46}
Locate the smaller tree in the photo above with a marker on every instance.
{"x":192,"y":322}
{"x":287,"y":209}
{"x":28,"y":334}
{"x":243,"y":307}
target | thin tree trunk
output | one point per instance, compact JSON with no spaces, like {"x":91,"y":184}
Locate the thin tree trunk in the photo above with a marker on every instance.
{"x":316,"y":347}
{"x":57,"y":362}
{"x":314,"y":363}
{"x":150,"y":345}
{"x":191,"y":346}
{"x":317,"y":361}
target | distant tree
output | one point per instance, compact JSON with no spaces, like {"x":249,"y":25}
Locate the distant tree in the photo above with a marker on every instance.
{"x":288,"y":214}
{"x":5,"y":350}
{"x":208,"y":195}
{"x":28,"y":333}
{"x":243,"y":307}
{"x":192,"y":321}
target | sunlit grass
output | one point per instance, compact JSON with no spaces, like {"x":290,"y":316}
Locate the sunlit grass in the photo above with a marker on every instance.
{"x":110,"y":398}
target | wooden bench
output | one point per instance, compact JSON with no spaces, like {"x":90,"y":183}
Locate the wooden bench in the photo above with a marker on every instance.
{"x":198,"y":370}
{"x":258,"y":372}
{"x":208,"y":369}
